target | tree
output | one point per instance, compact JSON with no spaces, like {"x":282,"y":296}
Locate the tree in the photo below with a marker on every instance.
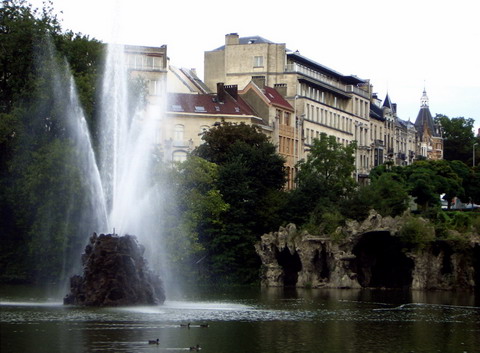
{"x":429,"y":179}
{"x":41,"y":189}
{"x":458,"y":138}
{"x":251,"y":177}
{"x":389,"y":194}
{"x":323,"y":179}
{"x":192,"y":217}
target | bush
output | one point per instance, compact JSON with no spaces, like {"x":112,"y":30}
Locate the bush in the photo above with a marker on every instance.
{"x":416,"y":233}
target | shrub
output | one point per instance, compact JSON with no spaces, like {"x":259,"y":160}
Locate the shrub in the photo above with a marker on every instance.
{"x":416,"y":233}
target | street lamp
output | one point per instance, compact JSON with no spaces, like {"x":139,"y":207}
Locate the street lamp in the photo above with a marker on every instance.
{"x":476,"y":143}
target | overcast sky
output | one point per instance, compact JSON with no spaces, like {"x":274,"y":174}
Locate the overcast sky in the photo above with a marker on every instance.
{"x":401,"y":46}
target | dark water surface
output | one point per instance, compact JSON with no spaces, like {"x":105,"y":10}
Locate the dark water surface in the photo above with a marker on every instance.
{"x":247,"y":321}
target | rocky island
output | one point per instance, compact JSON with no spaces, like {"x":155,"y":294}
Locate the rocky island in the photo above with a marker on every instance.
{"x":115,"y":274}
{"x":375,"y":253}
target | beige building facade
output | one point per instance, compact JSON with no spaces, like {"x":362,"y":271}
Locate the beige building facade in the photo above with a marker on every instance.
{"x":324,"y":101}
{"x":293,"y":99}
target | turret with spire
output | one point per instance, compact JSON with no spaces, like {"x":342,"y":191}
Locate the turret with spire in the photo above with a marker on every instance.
{"x":429,"y":132}
{"x":424,"y":100}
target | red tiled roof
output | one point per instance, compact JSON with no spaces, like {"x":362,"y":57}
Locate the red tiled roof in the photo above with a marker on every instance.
{"x":207,"y":104}
{"x":276,"y":98}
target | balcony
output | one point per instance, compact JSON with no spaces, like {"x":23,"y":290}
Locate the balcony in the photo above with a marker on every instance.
{"x":315,"y":75}
{"x":295,"y":68}
{"x":358,"y":91}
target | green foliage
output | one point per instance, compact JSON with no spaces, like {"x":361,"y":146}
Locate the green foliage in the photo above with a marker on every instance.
{"x":461,"y":221}
{"x":192,"y":215}
{"x":43,"y":199}
{"x":427,"y":180}
{"x":416,"y":233}
{"x":250,"y":180}
{"x":388,"y":195}
{"x":458,"y":138}
{"x":330,"y":221}
{"x":323,"y":180}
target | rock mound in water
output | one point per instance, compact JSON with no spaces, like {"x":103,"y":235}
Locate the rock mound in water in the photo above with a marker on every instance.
{"x":115,"y":274}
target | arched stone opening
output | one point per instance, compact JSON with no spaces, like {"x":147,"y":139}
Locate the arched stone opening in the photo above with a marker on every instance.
{"x":380,"y":261}
{"x":321,"y":265}
{"x":291,"y":265}
{"x":446,"y":251}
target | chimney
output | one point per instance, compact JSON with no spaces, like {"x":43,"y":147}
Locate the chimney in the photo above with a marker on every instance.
{"x":221,"y":92}
{"x":259,"y":81}
{"x":232,"y":90}
{"x":394,"y":108}
{"x":281,"y":88}
{"x":232,"y":38}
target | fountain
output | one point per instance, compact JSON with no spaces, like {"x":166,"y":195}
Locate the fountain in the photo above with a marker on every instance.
{"x":123,"y":192}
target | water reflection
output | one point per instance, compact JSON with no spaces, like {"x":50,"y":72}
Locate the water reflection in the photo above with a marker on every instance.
{"x":250,"y":320}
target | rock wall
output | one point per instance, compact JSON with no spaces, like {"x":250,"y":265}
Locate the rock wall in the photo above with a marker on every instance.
{"x":115,"y":274}
{"x":369,"y":254}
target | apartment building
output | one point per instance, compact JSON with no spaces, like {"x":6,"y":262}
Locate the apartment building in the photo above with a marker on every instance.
{"x":293,"y":99}
{"x":189,"y":116}
{"x":394,"y":139}
{"x":151,"y":65}
{"x":323,"y":100}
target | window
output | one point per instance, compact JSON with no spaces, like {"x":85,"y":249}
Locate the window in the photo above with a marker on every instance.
{"x":279,"y":116}
{"x":178,"y":132}
{"x":200,"y":109}
{"x":287,"y":119}
{"x":258,"y":61}
{"x":179,"y":156}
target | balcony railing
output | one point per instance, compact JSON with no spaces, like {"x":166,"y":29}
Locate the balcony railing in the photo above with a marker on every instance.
{"x":325,"y":79}
{"x":356,"y":90}
{"x":315,"y":75}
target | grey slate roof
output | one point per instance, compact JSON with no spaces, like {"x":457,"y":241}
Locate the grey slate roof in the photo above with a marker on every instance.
{"x":376,"y":112}
{"x":387,"y":102}
{"x":425,"y":121}
{"x":249,"y":40}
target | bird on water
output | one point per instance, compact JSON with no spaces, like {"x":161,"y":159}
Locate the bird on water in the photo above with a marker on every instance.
{"x":154,"y":341}
{"x":195,"y":348}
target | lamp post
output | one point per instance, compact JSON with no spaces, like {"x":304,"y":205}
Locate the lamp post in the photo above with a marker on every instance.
{"x":473,"y":163}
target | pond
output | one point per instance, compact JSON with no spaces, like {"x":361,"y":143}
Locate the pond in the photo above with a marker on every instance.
{"x":247,"y":320}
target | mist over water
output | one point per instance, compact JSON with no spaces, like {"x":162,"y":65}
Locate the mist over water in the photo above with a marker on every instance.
{"x":120,"y":192}
{"x":129,"y":127}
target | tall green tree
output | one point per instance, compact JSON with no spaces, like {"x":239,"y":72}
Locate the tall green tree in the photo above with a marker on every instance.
{"x":192,"y":217}
{"x":251,"y":177}
{"x":429,"y":179}
{"x":323,"y":179}
{"x":389,"y":194}
{"x":458,"y":138}
{"x":41,"y":188}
